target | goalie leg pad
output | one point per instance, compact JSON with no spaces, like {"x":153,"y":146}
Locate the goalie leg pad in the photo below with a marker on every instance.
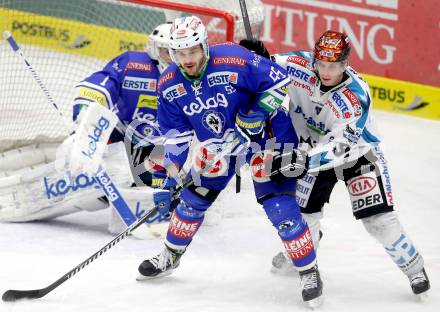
{"x":283,"y":212}
{"x":386,"y":228}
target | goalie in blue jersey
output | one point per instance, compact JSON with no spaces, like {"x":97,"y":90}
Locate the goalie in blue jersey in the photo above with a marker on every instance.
{"x":116,"y":103}
{"x":220,"y":95}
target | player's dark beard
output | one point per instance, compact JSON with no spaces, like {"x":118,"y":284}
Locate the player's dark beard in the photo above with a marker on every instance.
{"x":200,"y":67}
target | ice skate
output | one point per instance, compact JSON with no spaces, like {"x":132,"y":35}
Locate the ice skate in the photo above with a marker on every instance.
{"x":311,"y":285}
{"x":419,"y":282}
{"x":160,"y":265}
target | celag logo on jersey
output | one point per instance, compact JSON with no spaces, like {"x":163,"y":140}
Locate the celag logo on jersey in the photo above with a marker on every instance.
{"x":341,"y":104}
{"x":174,"y":92}
{"x":297,"y":73}
{"x":196,"y":107}
{"x":222,"y":78}
{"x":141,"y":84}
{"x":62,"y":187}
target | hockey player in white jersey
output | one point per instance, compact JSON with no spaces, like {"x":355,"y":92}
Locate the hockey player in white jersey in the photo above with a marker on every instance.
{"x":330,"y":107}
{"x":124,"y":91}
{"x":208,"y":92}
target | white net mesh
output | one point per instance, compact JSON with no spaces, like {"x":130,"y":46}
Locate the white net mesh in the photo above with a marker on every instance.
{"x":65,"y":41}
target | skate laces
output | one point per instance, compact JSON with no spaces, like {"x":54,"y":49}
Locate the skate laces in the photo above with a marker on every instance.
{"x":162,"y":260}
{"x":309,"y":280}
{"x":417,"y":278}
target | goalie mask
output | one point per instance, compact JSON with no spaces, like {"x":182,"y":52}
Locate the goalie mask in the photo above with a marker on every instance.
{"x":158,"y":44}
{"x":188,"y":32}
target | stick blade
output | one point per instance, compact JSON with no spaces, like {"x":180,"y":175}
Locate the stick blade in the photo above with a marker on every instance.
{"x":14,"y":295}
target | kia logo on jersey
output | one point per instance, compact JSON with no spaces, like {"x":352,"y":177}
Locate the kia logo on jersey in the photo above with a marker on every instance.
{"x":361,"y":185}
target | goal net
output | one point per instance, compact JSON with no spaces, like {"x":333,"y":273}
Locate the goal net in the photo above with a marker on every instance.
{"x":68,"y":40}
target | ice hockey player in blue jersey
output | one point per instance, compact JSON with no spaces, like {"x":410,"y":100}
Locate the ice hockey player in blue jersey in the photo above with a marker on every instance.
{"x":127,"y":86}
{"x":215,"y":93}
{"x":330,"y":107}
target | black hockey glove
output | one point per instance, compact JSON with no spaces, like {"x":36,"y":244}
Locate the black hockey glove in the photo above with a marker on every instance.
{"x":289,"y":164}
{"x":255,"y":45}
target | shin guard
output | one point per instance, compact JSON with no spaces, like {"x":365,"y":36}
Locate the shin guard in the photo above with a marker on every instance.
{"x":283,"y":212}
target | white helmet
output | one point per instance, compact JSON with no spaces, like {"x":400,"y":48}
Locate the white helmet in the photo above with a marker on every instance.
{"x":159,"y":38}
{"x":188,"y":32}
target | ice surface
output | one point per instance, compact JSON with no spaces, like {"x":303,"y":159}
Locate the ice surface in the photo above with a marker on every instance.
{"x":227,"y":267}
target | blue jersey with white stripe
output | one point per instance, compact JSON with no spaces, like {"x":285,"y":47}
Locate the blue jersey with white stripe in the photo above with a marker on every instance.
{"x":233,"y":79}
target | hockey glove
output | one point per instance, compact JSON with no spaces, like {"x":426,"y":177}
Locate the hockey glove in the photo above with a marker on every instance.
{"x":257,"y":46}
{"x":166,"y":199}
{"x":250,"y":127}
{"x":289,"y":164}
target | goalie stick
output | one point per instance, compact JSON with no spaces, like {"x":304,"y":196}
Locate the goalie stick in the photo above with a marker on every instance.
{"x":103,"y":179}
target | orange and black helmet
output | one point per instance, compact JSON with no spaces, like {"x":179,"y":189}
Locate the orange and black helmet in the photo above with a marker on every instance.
{"x":332,"y":46}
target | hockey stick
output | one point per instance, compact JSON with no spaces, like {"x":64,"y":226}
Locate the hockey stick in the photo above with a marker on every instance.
{"x":245,"y":16}
{"x":14,"y":295}
{"x":101,"y":175}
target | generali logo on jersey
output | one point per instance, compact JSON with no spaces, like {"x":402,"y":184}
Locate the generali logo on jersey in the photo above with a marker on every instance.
{"x":229,"y":60}
{"x":138,"y":66}
{"x":164,"y":78}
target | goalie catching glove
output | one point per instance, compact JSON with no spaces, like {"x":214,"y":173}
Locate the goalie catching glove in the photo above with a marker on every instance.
{"x":289,"y":164}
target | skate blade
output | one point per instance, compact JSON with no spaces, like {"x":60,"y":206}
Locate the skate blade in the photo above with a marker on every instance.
{"x":141,"y":277}
{"x":315,"y":303}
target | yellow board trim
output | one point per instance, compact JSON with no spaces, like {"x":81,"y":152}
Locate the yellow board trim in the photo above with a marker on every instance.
{"x":404,"y":97}
{"x":69,"y":36}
